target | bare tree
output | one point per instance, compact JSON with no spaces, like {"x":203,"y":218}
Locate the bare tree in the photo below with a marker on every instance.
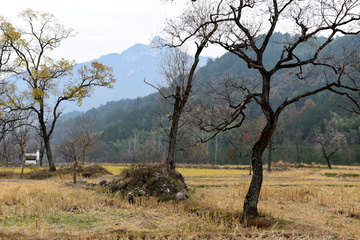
{"x":8,"y":148}
{"x":178,"y":71}
{"x":245,"y":28}
{"x":273,"y":145}
{"x":131,"y":148}
{"x":80,"y":137}
{"x":237,"y":141}
{"x":21,"y":134}
{"x":8,"y":122}
{"x":151,"y":151}
{"x":98,"y":151}
{"x":297,"y":139}
{"x":329,"y":142}
{"x":350,"y":55}
{"x":217,"y":144}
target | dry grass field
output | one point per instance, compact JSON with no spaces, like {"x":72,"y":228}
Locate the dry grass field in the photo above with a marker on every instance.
{"x":311,"y":202}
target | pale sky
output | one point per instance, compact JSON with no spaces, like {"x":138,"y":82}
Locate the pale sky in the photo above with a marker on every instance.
{"x":103,"y":27}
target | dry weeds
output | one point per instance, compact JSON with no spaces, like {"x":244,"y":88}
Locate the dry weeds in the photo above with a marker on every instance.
{"x":299,"y":203}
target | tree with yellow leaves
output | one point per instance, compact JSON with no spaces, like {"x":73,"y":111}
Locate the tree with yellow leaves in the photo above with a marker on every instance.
{"x":7,"y":119}
{"x":4,"y":60}
{"x":49,"y":82}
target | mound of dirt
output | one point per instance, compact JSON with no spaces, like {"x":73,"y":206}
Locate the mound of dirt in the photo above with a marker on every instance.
{"x":280,"y":166}
{"x":93,"y":171}
{"x":149,"y":180}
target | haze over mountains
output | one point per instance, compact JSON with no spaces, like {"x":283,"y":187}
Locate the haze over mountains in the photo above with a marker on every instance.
{"x":130,"y":68}
{"x":125,"y":121}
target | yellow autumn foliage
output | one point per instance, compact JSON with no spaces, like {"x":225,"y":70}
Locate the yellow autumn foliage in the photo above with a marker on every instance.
{"x":49,"y":81}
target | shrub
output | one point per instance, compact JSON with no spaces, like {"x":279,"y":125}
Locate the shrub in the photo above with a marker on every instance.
{"x":7,"y":174}
{"x":39,"y":175}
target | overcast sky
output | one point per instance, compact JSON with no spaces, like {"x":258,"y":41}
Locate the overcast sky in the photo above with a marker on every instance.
{"x":103,"y":27}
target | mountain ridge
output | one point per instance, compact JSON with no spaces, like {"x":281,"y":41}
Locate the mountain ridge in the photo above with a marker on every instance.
{"x":121,"y":121}
{"x":130,"y":68}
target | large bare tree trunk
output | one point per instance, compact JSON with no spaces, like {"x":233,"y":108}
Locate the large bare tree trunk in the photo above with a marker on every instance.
{"x":170,"y":160}
{"x":235,"y":22}
{"x":252,"y":197}
{"x":74,"y":173}
{"x":328,"y":162}
{"x":269,"y":161}
{"x":49,"y":155}
{"x":46,"y":138}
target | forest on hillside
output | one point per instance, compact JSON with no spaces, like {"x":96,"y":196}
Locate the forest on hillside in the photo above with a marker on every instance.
{"x":135,"y":130}
{"x":132,"y":131}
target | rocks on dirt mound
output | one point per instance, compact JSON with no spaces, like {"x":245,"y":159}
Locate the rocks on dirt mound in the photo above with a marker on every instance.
{"x":149,"y":180}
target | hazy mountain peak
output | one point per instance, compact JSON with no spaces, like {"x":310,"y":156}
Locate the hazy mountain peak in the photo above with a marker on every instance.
{"x":135,"y":52}
{"x":130,"y":68}
{"x":156,"y":41}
